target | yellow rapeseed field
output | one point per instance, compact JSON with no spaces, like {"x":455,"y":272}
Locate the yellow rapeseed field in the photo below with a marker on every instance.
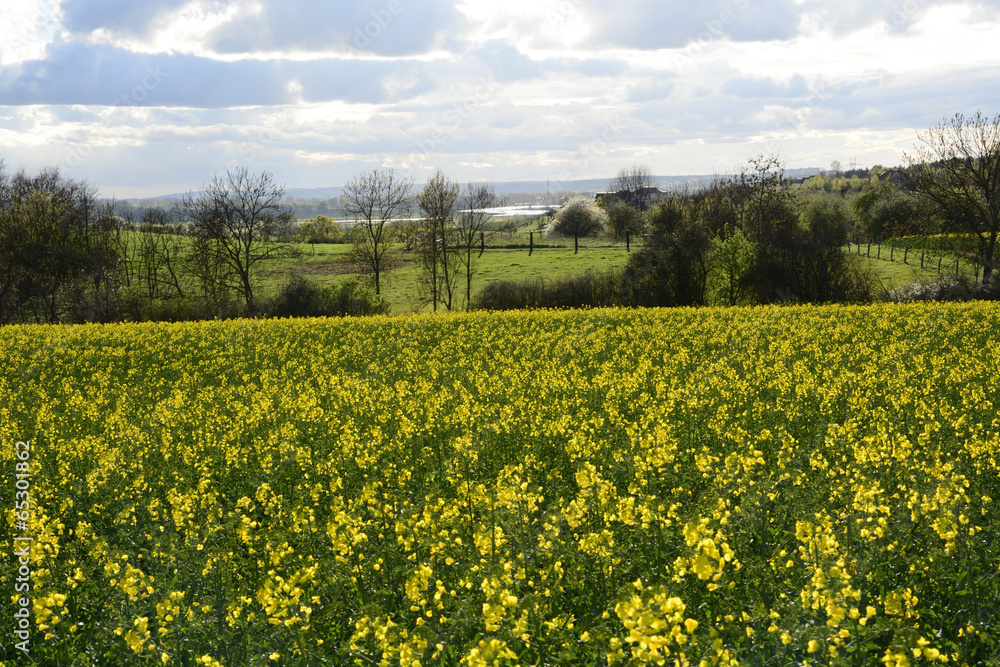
{"x":765,"y":486}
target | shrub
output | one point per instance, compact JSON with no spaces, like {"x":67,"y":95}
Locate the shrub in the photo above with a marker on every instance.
{"x":944,"y":289}
{"x":510,"y":295}
{"x":191,"y":310}
{"x":302,"y":298}
{"x":351,"y":298}
{"x":593,"y":289}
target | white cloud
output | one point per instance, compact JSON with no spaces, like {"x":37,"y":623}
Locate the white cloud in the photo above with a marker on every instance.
{"x":27,"y":27}
{"x":167,"y":92}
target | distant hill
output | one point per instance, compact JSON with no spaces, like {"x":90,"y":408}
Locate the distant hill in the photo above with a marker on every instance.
{"x":314,"y":193}
{"x":529,"y":187}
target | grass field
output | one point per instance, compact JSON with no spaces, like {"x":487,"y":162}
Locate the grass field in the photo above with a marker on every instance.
{"x":904,"y":261}
{"x":556,"y":259}
{"x":507,"y":257}
{"x":765,"y":486}
{"x":550,"y":259}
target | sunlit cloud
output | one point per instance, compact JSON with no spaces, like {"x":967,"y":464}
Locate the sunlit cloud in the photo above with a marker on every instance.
{"x":136,"y":97}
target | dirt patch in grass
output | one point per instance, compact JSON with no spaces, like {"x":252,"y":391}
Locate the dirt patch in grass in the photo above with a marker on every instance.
{"x":339,"y":267}
{"x":329,"y":268}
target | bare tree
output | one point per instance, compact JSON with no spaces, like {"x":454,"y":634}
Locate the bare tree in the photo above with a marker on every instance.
{"x":476,"y":212}
{"x":635,"y":186}
{"x":957,"y":171}
{"x":373,"y":199}
{"x":437,"y":203}
{"x":235,"y":222}
{"x":10,"y":271}
{"x":159,"y":255}
{"x":117,"y":221}
{"x":214,"y":276}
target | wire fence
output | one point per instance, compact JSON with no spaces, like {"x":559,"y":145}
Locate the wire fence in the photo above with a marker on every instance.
{"x":942,"y":262}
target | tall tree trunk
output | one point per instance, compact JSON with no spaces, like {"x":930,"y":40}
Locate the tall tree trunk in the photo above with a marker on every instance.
{"x":434,"y":267}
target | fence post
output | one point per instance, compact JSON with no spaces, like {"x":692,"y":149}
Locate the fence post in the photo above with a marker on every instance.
{"x":939,"y":264}
{"x":482,"y":243}
{"x":906,"y":254}
{"x":628,"y":244}
{"x":892,"y":252}
{"x":922,"y":258}
{"x":956,"y":268}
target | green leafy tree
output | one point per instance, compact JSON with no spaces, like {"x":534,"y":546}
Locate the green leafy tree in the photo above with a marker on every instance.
{"x":57,"y":257}
{"x":824,"y":272}
{"x":672,"y":268}
{"x":759,"y":204}
{"x":828,"y":217}
{"x":623,"y":218}
{"x":884,"y":210}
{"x":731,"y":259}
{"x":320,"y":229}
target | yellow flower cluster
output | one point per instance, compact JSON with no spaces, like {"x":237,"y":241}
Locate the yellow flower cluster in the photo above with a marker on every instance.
{"x":654,"y":620}
{"x":711,"y":553}
{"x":671,"y":487}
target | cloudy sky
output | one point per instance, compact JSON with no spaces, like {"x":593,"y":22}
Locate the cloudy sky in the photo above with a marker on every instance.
{"x":146,"y":97}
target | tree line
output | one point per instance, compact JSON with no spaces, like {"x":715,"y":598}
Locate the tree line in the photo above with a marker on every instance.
{"x":757,"y":238}
{"x":746,"y":239}
{"x":751,"y":238}
{"x":948,"y":187}
{"x":444,"y":233}
{"x":67,"y":256}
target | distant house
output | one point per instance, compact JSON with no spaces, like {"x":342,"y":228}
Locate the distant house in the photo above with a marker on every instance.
{"x":641,"y":199}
